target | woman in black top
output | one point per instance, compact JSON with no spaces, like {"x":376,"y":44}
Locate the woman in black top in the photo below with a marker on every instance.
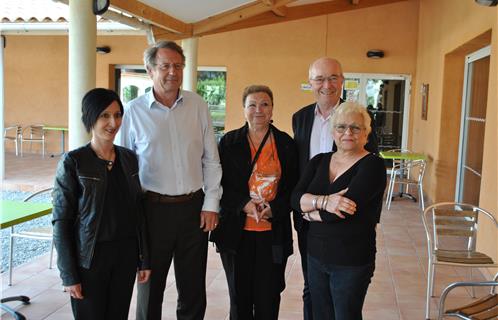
{"x":99,"y":230}
{"x":340,"y":193}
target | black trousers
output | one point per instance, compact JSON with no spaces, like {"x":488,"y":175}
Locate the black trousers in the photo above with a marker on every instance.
{"x":258,"y":280}
{"x":174,"y":234}
{"x":108,"y":285}
{"x":228,"y":261}
{"x":302,"y":240}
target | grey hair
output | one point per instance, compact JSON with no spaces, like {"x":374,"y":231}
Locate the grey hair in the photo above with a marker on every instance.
{"x":350,"y":107}
{"x":151,"y":52}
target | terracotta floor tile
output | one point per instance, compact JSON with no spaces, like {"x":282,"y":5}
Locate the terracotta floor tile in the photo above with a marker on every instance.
{"x":397,"y":290}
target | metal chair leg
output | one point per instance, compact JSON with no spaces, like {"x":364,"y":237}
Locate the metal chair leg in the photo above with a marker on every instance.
{"x":473,"y":290}
{"x":52,"y":247}
{"x":11,"y":255}
{"x":429,"y":290}
{"x":421,"y":196}
{"x":390,"y":191}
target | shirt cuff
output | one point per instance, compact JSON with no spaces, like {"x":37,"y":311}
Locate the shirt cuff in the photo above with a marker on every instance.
{"x":211,"y":205}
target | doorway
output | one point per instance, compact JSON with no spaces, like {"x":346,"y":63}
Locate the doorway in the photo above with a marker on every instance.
{"x":387,"y":98}
{"x":473,"y":125}
{"x":132,"y":81}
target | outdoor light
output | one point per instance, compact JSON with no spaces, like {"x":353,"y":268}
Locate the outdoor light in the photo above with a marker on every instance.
{"x":100,"y":6}
{"x":103,"y":50}
{"x":488,"y":3}
{"x":375,"y":54}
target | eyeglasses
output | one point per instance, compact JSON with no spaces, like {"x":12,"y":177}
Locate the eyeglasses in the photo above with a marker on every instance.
{"x":342,"y":128}
{"x":320,"y":80}
{"x":167,"y":66}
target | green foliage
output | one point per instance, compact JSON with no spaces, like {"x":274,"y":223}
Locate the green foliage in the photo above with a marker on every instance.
{"x":213,"y":90}
{"x":129,"y":93}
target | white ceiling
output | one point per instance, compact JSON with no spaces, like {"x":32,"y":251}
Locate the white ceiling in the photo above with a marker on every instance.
{"x":191,"y":11}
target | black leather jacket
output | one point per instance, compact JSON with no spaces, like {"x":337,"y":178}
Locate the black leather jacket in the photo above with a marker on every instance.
{"x":78,"y":202}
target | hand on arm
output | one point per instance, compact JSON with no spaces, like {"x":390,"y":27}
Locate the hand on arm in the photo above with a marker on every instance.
{"x":333,"y":203}
{"x":209,"y":220}
{"x":338,"y":204}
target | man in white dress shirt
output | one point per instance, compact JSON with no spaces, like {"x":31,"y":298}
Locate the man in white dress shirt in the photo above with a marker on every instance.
{"x":171,"y":131}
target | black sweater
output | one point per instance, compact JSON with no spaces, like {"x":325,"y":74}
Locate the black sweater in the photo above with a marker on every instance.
{"x":349,"y":241}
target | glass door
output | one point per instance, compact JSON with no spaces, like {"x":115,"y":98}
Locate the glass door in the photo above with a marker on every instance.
{"x":472,"y":127}
{"x":387,"y":98}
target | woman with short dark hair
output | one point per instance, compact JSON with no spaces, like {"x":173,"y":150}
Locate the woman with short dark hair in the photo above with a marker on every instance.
{"x":99,"y":229}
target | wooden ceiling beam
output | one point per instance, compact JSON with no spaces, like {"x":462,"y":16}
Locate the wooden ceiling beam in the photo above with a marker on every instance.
{"x":238,"y":14}
{"x":159,"y":33}
{"x":153,"y":16}
{"x":299,"y":12}
{"x":278,"y":11}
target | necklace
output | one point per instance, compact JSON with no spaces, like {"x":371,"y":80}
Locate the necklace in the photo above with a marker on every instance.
{"x":255,"y":149}
{"x":109,"y":163}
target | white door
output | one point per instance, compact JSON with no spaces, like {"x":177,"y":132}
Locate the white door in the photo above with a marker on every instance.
{"x":472,"y":126}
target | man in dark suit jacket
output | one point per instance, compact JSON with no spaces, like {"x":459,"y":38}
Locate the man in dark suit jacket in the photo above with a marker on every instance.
{"x":312,"y":134}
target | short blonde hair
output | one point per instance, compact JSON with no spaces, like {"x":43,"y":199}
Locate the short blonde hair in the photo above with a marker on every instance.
{"x":350,"y":107}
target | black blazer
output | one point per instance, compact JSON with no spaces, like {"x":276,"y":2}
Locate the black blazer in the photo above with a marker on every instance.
{"x":235,"y":157}
{"x":302,"y":123}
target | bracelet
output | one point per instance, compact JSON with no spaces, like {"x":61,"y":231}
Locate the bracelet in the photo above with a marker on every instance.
{"x":313,"y":202}
{"x":324,"y":207}
{"x":321,"y":205}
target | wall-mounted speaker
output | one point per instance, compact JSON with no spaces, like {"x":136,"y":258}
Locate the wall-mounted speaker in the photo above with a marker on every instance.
{"x":375,"y":54}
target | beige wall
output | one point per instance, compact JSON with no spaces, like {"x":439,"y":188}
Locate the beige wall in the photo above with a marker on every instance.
{"x":440,"y":39}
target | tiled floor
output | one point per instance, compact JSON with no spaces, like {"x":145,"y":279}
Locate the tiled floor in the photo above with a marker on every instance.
{"x":397,"y":290}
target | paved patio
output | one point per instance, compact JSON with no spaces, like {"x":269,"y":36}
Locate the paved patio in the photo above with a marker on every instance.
{"x":397,"y":290}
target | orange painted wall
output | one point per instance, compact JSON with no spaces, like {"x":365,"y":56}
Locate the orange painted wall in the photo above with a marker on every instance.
{"x":35,"y":79}
{"x":438,"y":35}
{"x":279,"y":55}
{"x":36,"y":89}
{"x":276,"y":55}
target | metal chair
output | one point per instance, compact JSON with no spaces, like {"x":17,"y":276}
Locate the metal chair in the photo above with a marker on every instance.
{"x":42,"y":233}
{"x":13,"y":133}
{"x":33,"y":133}
{"x":484,"y":308}
{"x":451,"y":230}
{"x":407,"y":173}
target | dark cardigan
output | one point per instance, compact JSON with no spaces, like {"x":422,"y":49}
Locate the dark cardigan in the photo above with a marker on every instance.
{"x":235,"y":156}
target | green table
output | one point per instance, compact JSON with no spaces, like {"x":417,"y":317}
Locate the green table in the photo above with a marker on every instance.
{"x":12,"y":213}
{"x":15,"y":212}
{"x":402,"y":157}
{"x":398,"y":155}
{"x":63,"y":131}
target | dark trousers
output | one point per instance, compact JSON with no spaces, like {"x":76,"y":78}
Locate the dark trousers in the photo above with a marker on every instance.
{"x":174,"y":234}
{"x":108,"y":285}
{"x":302,"y":241}
{"x":228,"y":261}
{"x":338,"y":292}
{"x":258,"y":281}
